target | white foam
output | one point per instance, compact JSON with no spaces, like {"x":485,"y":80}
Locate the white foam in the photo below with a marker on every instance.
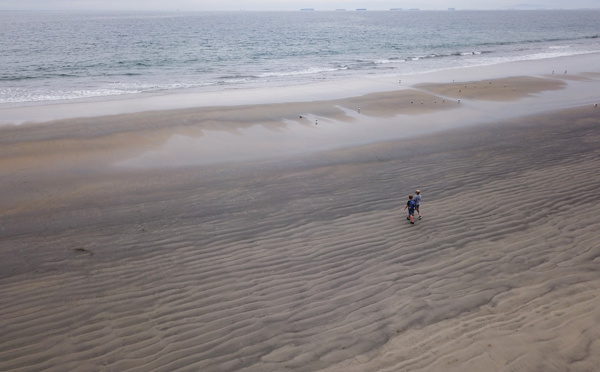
{"x":308,"y":71}
{"x":167,"y":100}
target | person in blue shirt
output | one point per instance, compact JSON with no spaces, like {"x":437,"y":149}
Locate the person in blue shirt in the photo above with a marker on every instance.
{"x":417,"y":200}
{"x":411,"y":209}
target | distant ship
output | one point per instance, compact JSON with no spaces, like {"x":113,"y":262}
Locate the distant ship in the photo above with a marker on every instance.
{"x":307,"y":9}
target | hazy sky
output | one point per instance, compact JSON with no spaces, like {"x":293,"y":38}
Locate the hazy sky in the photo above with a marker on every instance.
{"x":289,"y":4}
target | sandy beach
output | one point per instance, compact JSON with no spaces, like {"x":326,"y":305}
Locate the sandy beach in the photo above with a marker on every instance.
{"x":235,"y":235}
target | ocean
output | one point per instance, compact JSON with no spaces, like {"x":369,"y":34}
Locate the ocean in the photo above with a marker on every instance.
{"x":57,"y":56}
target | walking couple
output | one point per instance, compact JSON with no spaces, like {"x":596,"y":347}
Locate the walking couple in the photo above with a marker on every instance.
{"x":413,"y":204}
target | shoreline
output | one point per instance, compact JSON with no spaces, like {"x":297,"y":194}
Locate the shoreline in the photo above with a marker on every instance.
{"x":207,"y":135}
{"x":320,"y":91}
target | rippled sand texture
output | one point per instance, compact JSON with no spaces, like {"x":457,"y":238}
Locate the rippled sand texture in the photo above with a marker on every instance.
{"x":310,"y":265}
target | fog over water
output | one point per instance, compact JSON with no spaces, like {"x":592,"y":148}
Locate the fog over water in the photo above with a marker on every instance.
{"x":209,"y":5}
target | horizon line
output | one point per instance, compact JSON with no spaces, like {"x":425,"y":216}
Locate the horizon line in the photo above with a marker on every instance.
{"x":302,"y":10}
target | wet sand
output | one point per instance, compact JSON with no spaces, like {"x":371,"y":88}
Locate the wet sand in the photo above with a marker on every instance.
{"x":304,"y":260}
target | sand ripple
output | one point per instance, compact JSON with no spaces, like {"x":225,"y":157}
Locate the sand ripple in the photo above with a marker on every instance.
{"x":313,"y":267}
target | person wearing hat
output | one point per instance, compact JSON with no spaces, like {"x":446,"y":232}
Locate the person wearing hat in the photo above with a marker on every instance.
{"x":418,"y":202}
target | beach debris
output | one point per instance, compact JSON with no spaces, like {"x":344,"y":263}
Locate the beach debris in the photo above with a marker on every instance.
{"x":565,"y":71}
{"x":83,"y":250}
{"x":300,"y":116}
{"x":459,"y":101}
{"x":316,"y":121}
{"x":399,"y":81}
{"x":358,"y":110}
{"x":595,"y":105}
{"x":459,"y":91}
{"x":411,"y":101}
{"x":552,"y":72}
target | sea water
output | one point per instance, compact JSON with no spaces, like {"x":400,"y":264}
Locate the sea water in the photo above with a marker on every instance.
{"x":57,"y":56}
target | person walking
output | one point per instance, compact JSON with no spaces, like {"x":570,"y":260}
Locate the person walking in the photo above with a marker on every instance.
{"x":418,"y":202}
{"x":410,"y":204}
